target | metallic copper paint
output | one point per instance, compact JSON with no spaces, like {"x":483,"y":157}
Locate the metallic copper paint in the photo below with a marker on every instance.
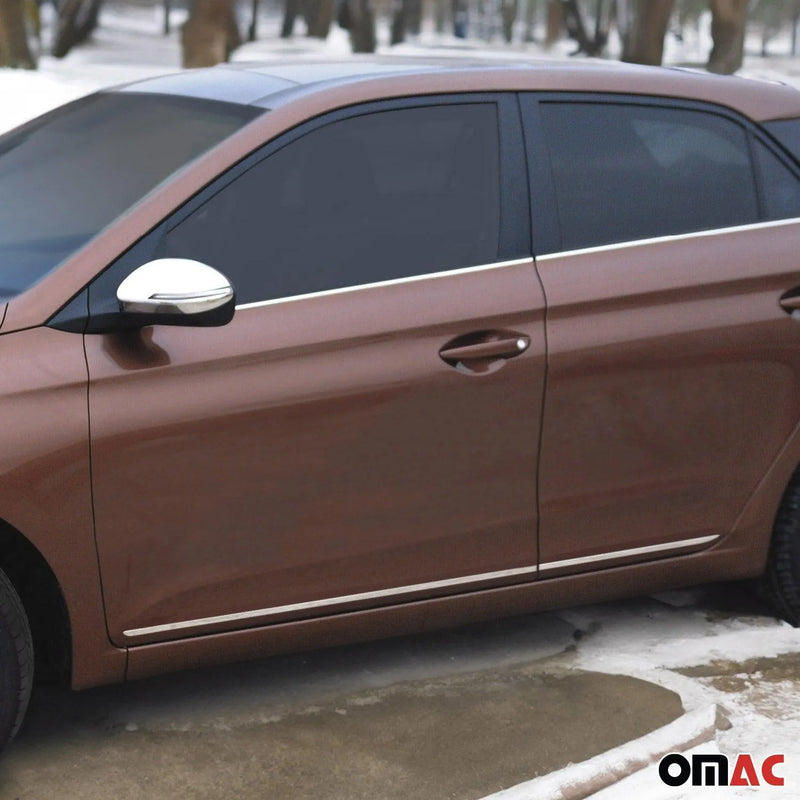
{"x":673,"y":383}
{"x":45,"y":482}
{"x":313,"y":449}
{"x":435,"y":614}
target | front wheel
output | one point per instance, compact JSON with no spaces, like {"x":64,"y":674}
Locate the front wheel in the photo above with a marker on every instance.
{"x":782,"y":576}
{"x":16,"y":661}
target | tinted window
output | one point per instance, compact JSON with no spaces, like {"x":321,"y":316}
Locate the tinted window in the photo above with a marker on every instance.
{"x":787,"y":132}
{"x":369,"y":198}
{"x":625,"y":172}
{"x":779,"y":185}
{"x":67,"y":175}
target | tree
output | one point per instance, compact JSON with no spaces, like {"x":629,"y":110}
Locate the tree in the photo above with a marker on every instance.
{"x":318,"y":16}
{"x":210,"y":34}
{"x":555,"y":22}
{"x":357,"y":18}
{"x":728,"y":21}
{"x":407,"y":18}
{"x":77,"y":19}
{"x":14,"y":50}
{"x":591,"y":44}
{"x":644,"y":43}
{"x":508,"y":11}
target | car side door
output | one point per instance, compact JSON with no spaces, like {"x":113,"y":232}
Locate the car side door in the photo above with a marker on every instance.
{"x":667,"y":236}
{"x":365,"y":431}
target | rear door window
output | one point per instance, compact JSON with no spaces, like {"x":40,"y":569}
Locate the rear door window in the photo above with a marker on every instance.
{"x":780,"y":186}
{"x":629,"y":171}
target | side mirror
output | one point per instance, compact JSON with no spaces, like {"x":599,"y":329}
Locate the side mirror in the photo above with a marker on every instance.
{"x":176,"y":291}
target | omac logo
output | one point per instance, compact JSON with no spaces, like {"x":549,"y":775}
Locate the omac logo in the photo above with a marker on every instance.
{"x":715,"y":769}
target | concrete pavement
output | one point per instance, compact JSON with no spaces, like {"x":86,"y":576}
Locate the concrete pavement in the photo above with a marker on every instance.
{"x":460,"y":714}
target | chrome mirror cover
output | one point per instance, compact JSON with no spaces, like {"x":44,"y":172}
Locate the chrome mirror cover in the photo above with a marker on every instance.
{"x":174,"y":286}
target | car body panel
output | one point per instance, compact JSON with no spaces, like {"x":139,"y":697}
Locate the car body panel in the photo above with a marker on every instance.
{"x":313,"y":449}
{"x":45,"y":487}
{"x":661,"y":355}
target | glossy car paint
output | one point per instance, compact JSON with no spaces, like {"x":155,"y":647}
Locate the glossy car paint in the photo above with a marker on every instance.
{"x":314,"y":448}
{"x":707,"y":312}
{"x":662,"y":355}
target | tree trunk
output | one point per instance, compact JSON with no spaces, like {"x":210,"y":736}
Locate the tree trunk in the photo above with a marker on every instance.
{"x":14,"y":50}
{"x":576,"y":28}
{"x":210,"y":34}
{"x":76,"y":21}
{"x":361,"y":25}
{"x":555,"y":22}
{"x":252,"y":30}
{"x":460,"y":18}
{"x":508,"y":10}
{"x":290,"y":12}
{"x":440,"y":14}
{"x":728,"y":19}
{"x":398,"y":33}
{"x":320,"y":20}
{"x":645,"y":43}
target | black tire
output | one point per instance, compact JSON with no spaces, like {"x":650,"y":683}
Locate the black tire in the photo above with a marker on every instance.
{"x":16,"y":661}
{"x":782,"y":577}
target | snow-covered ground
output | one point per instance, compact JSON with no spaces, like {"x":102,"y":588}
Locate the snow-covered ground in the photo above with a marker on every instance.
{"x":746,"y":663}
{"x":707,"y":660}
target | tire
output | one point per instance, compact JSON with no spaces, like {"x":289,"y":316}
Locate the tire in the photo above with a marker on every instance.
{"x":16,"y":661}
{"x":781,"y":580}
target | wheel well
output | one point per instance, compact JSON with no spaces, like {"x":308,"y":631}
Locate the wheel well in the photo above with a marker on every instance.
{"x":44,"y":604}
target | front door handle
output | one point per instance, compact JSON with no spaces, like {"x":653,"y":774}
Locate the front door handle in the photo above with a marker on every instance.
{"x":483,"y":350}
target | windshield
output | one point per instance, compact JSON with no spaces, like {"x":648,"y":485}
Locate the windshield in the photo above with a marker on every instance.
{"x":65,"y":176}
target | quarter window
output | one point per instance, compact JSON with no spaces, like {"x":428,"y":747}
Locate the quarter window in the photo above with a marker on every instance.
{"x":369,"y":198}
{"x":625,"y":172}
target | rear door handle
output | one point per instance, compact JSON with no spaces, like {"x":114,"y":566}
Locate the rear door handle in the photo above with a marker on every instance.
{"x":790,"y":301}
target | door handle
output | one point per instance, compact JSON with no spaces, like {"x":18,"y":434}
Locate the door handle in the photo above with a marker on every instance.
{"x":499,"y":348}
{"x":483,"y":351}
{"x":790,"y":301}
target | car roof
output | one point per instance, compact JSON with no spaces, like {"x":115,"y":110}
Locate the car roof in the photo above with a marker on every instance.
{"x":270,"y":84}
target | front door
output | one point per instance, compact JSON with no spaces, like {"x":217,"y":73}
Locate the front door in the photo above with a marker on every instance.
{"x":365,"y":430}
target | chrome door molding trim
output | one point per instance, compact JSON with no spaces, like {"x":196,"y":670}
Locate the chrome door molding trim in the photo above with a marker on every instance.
{"x":262,"y":613}
{"x":632,"y":551}
{"x":677,"y":237}
{"x":393,"y":282}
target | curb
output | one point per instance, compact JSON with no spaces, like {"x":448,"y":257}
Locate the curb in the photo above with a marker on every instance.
{"x":578,"y":781}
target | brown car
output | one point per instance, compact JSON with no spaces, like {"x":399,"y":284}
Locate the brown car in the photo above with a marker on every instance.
{"x":302,"y":355}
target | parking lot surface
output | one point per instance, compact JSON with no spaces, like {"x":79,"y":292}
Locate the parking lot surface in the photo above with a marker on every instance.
{"x":458,"y":714}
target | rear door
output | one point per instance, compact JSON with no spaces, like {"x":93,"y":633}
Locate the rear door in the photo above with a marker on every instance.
{"x":673,"y":372}
{"x":365,"y":430}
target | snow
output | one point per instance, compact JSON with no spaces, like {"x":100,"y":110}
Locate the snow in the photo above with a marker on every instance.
{"x":682,"y":734}
{"x":649,"y":640}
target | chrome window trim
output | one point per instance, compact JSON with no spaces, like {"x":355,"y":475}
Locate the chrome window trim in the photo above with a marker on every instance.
{"x":675,"y":237}
{"x":417,"y":587}
{"x":392,"y":282}
{"x":603,"y":248}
